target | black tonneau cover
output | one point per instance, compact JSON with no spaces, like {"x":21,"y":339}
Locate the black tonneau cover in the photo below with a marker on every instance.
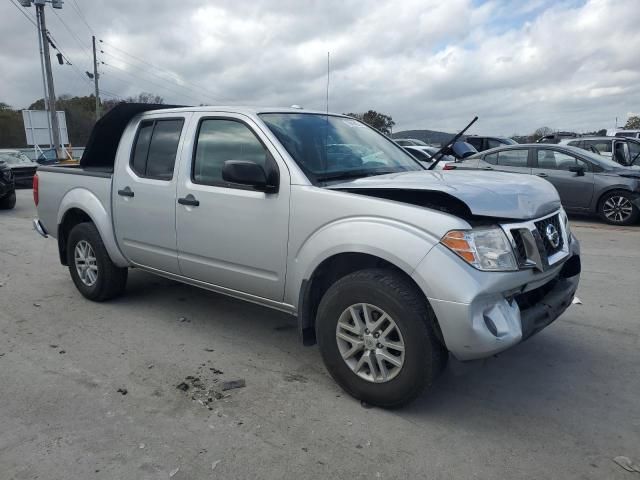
{"x":105,"y":136}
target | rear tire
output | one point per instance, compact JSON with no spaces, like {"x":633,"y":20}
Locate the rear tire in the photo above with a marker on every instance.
{"x":8,"y":202}
{"x":394,"y":297}
{"x":617,"y":208}
{"x":91,"y":268}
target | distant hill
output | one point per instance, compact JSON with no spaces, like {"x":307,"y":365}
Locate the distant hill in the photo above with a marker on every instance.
{"x":427,"y":136}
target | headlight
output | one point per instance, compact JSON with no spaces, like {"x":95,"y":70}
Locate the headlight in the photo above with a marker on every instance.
{"x":7,"y":174}
{"x":484,"y":248}
{"x":565,"y":220}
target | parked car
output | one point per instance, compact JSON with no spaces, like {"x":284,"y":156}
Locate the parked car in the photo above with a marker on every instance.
{"x":587,"y":182}
{"x":23,"y":167}
{"x":410,"y":142}
{"x":386,"y":265}
{"x":625,"y":133}
{"x":625,"y":151}
{"x":482,"y":143}
{"x":7,"y":187}
{"x":425,"y":154}
{"x":557,"y":137}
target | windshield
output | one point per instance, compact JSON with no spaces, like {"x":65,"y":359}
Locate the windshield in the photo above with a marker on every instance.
{"x":328,"y":147}
{"x":14,"y":158}
{"x":634,"y":151}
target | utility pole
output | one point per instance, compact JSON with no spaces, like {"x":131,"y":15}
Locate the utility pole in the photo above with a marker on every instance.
{"x":95,"y":78}
{"x":47,"y":70}
{"x":44,"y":80}
{"x":49,"y":92}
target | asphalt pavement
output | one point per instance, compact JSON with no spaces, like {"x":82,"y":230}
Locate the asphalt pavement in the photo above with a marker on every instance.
{"x":89,"y":391}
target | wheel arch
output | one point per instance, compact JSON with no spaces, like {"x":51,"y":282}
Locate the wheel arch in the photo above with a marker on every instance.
{"x":608,"y":191}
{"x":326,"y":274}
{"x":81,"y":205}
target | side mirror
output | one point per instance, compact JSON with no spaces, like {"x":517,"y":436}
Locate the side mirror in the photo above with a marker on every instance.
{"x":247,"y":173}
{"x":578,"y":170}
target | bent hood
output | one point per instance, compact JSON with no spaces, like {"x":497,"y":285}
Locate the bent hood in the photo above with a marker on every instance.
{"x":486,"y":194}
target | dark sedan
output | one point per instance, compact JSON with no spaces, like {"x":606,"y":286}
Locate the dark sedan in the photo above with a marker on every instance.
{"x":586,"y":182}
{"x":7,"y":187}
{"x":23,"y":167}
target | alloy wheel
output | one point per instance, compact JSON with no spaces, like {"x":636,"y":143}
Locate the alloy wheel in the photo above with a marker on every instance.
{"x":370,"y":343}
{"x":86,"y":263}
{"x":617,"y":208}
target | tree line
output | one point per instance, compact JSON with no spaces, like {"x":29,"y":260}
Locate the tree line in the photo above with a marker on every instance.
{"x":79,"y":111}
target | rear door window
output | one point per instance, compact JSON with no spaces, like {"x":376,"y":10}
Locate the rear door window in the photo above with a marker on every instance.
{"x":156,"y":147}
{"x":513,"y":158}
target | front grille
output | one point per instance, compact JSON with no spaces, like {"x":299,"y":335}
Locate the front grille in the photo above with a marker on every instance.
{"x":546,"y":233}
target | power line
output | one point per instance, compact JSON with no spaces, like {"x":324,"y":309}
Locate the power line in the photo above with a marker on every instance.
{"x":27,"y":16}
{"x":76,"y":8}
{"x":200,"y":88}
{"x":72,"y":33}
{"x":197,"y":100}
{"x":164,"y":79}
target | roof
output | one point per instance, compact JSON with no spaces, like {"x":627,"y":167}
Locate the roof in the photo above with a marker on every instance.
{"x":243,"y":109}
{"x":105,"y":136}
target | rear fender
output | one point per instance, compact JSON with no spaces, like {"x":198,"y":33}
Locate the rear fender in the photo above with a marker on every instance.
{"x":89,"y":203}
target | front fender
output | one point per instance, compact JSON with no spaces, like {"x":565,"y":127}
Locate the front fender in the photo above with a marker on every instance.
{"x":86,"y":201}
{"x":398,"y":243}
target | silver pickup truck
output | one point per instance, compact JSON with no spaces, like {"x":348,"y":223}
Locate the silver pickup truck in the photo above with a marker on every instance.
{"x":387,"y":266}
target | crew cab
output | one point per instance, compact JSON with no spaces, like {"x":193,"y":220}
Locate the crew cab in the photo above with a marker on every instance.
{"x":387,"y":266}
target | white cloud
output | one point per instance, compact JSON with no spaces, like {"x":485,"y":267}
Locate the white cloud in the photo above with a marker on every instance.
{"x":428,"y":63}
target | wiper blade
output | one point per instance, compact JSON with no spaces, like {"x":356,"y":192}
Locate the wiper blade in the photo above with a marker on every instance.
{"x":353,"y":174}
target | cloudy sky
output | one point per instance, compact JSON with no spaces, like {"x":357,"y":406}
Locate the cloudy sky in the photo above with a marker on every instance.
{"x":428,"y":63}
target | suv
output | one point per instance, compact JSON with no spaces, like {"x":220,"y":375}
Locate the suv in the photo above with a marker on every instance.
{"x":625,"y":151}
{"x":481,"y":143}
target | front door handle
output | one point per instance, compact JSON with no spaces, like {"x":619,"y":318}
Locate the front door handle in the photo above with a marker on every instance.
{"x":189,"y":200}
{"x":543,"y":175}
{"x":126,"y":192}
{"x":487,"y":168}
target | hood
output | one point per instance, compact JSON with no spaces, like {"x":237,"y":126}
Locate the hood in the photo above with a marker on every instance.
{"x":631,"y":171}
{"x":484,"y":194}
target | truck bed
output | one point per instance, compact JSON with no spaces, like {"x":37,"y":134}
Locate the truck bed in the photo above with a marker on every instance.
{"x":74,"y":186}
{"x":106,"y":171}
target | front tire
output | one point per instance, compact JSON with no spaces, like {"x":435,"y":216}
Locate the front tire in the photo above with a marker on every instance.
{"x":8,"y":202}
{"x":617,"y":208}
{"x":377,"y":336}
{"x":91,"y":268}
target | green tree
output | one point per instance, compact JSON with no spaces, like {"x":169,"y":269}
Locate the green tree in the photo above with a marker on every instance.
{"x":379,"y":121}
{"x":633,"y":122}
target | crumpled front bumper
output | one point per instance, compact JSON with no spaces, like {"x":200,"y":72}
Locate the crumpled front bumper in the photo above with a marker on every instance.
{"x":483,"y":313}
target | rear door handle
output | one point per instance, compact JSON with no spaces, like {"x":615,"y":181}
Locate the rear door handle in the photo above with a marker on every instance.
{"x":542,"y":175}
{"x":487,"y":168}
{"x":126,"y":192}
{"x":189,"y":200}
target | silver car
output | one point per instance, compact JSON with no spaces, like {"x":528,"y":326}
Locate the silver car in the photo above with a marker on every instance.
{"x":587,"y":182}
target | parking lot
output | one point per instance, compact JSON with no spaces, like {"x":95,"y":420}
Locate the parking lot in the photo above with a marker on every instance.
{"x":88,"y":390}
